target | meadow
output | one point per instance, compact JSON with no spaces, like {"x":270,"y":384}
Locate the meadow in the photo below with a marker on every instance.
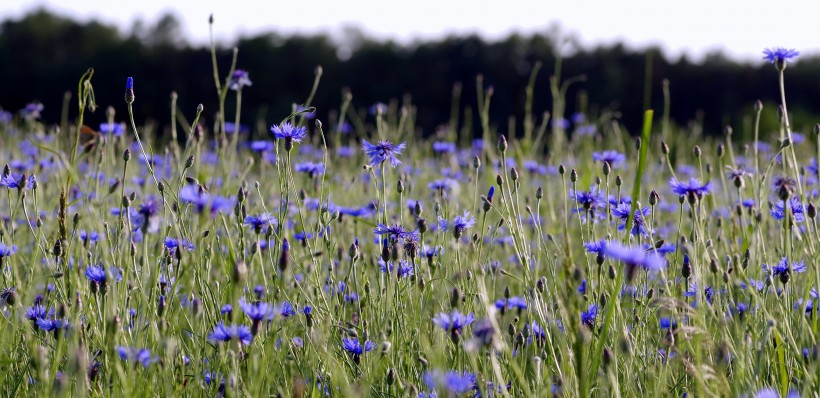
{"x":352,"y":257}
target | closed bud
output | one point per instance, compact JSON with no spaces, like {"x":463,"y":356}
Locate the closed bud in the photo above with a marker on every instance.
{"x":758,"y":106}
{"x":476,"y":162}
{"x":619,"y":181}
{"x":720,"y":150}
{"x":190,"y":162}
{"x":696,"y":151}
{"x":638,"y":143}
{"x":573,"y":175}
{"x":399,"y":186}
{"x":455,"y":297}
{"x":561,"y":169}
{"x":654,"y":198}
{"x":514,"y":174}
{"x":811,"y":211}
{"x":126,"y":156}
{"x":664,"y":148}
{"x":606,"y":168}
{"x":539,"y":193}
{"x":502,"y":144}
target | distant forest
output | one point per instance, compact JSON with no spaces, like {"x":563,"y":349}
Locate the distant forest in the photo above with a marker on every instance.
{"x":43,"y":55}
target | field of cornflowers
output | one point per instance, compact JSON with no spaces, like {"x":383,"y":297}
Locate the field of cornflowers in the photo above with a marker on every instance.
{"x":353,"y":258}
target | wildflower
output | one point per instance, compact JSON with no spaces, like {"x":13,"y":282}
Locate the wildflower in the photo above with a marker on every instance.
{"x":239,"y":79}
{"x":97,"y":277}
{"x":634,"y":257}
{"x":227,"y":333}
{"x":11,"y":181}
{"x":112,"y":129}
{"x":89,"y":237}
{"x":588,"y":316}
{"x":51,"y":325}
{"x":394,"y":232}
{"x":257,"y":312}
{"x":444,"y":147}
{"x":129,"y":90}
{"x":784,"y":269}
{"x":355,"y":348}
{"x":6,"y":251}
{"x":38,"y":311}
{"x":784,"y":187}
{"x":261,"y":146}
{"x":382,"y":152}
{"x":173,"y":243}
{"x":459,"y":224}
{"x":589,"y":202}
{"x":780,"y":55}
{"x":405,"y":268}
{"x":614,"y":158}
{"x":289,"y":133}
{"x":693,"y":190}
{"x":453,"y":382}
{"x":796,"y":206}
{"x":142,"y":356}
{"x":638,"y":223}
{"x":311,"y":169}
{"x":453,"y":322}
{"x":708,"y":293}
{"x":596,"y":247}
{"x":258,"y":223}
{"x":32,"y":111}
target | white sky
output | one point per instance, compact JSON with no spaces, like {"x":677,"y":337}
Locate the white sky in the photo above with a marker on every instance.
{"x":695,"y":27}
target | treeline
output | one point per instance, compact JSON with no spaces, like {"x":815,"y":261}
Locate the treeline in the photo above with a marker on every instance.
{"x":43,"y":55}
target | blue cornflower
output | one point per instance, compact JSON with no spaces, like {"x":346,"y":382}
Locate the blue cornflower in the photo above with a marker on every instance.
{"x":588,"y":316}
{"x":442,"y":185}
{"x":173,"y":243}
{"x":589,"y":202}
{"x":453,"y":382}
{"x":227,"y":333}
{"x":393,"y":232}
{"x":89,"y":237}
{"x":515,"y":302}
{"x":32,"y":111}
{"x":708,"y":293}
{"x":11,"y":181}
{"x":259,"y":222}
{"x":634,"y":257}
{"x":112,"y":129}
{"x":289,"y":133}
{"x":459,"y":224}
{"x":638,"y":222}
{"x":382,"y":152}
{"x":693,"y":190}
{"x":596,"y":247}
{"x":779,"y":209}
{"x":38,"y":311}
{"x":453,"y":322}
{"x":142,"y":355}
{"x":444,"y":147}
{"x":780,"y":55}
{"x":783,"y":269}
{"x":239,"y":79}
{"x":6,"y":250}
{"x":405,"y":268}
{"x":614,"y":158}
{"x":286,"y":309}
{"x":310,"y":168}
{"x":258,"y":311}
{"x":262,"y":146}
{"x":49,"y":324}
{"x":667,"y":323}
{"x":355,"y":348}
{"x":96,"y":275}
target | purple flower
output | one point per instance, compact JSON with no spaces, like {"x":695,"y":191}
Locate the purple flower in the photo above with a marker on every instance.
{"x":455,"y":383}
{"x":227,"y":333}
{"x":172,"y":244}
{"x":310,"y":168}
{"x":596,"y":247}
{"x":588,"y":316}
{"x":115,"y":129}
{"x":382,"y":152}
{"x":259,"y":222}
{"x":142,"y":355}
{"x":394,"y":232}
{"x":634,"y":257}
{"x":239,"y":79}
{"x":692,"y":190}
{"x":6,"y":250}
{"x":17,"y":182}
{"x":258,"y":311}
{"x":96,"y":275}
{"x":289,"y":133}
{"x":589,"y":202}
{"x":444,"y":147}
{"x":783,"y":269}
{"x":779,"y":209}
{"x":458,"y":225}
{"x":614,"y":158}
{"x":356,"y":348}
{"x":779,"y":54}
{"x":638,"y":223}
{"x":453,"y":322}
